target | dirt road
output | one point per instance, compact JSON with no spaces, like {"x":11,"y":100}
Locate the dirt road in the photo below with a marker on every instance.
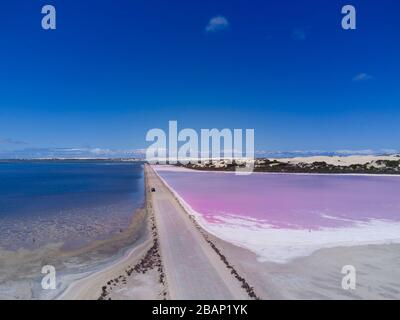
{"x":193,"y":270}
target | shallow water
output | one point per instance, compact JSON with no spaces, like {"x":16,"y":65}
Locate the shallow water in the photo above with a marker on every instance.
{"x":288,"y":200}
{"x":73,"y":203}
{"x":284,"y":216}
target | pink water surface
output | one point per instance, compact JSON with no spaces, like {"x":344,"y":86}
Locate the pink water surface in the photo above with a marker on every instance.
{"x":288,"y":200}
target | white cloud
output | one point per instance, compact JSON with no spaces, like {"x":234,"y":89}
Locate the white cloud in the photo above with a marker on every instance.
{"x":217,"y":23}
{"x":71,"y":153}
{"x":362,"y":77}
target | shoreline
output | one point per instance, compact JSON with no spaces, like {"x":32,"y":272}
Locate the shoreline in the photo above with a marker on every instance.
{"x":295,"y":279}
{"x":197,"y":170}
{"x":211,"y":240}
{"x":305,"y":242}
{"x":21,"y":269}
{"x":389,"y":164}
{"x":140,"y":274}
{"x":137,"y":275}
{"x":272,"y":280}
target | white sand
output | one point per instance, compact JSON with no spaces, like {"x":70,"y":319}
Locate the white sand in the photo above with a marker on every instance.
{"x":139,"y":286}
{"x":338,"y":160}
{"x":284,"y":245}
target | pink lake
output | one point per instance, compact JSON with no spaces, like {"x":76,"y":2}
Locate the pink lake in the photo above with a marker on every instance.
{"x":290,"y":201}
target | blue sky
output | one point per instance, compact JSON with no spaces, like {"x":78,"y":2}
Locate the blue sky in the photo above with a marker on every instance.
{"x":115,"y":69}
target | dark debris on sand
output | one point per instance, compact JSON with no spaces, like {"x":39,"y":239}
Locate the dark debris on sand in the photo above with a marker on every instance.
{"x":150,"y":261}
{"x":245,"y":285}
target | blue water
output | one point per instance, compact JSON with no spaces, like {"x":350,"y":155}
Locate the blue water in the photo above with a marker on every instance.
{"x":58,"y":201}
